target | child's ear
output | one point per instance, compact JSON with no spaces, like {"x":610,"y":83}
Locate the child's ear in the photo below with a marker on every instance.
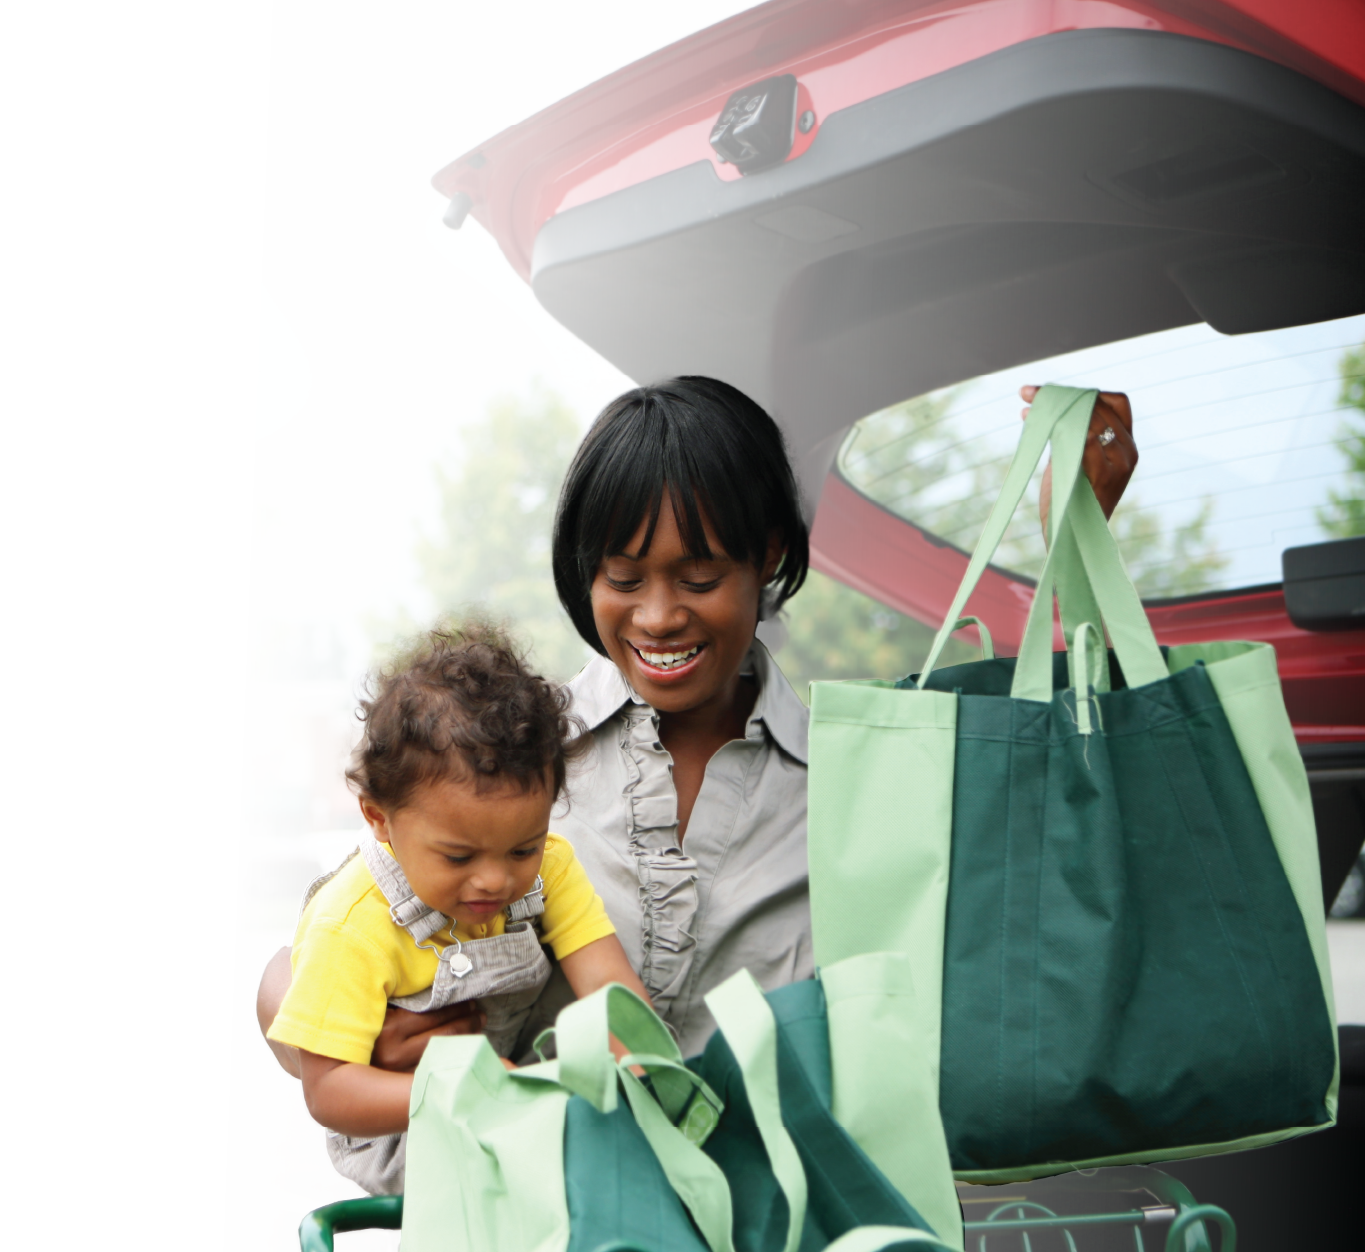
{"x":375,"y":819}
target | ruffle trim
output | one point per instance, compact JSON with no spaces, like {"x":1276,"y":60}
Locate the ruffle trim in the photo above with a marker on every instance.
{"x":667,"y":875}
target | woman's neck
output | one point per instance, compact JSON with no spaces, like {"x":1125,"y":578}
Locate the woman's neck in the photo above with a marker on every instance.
{"x":693,"y":736}
{"x":720,"y":719}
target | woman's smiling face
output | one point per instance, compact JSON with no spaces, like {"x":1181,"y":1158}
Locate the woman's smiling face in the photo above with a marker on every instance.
{"x":676,"y":626}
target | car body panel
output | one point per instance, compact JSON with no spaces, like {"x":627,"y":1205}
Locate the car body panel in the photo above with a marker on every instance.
{"x":933,"y":122}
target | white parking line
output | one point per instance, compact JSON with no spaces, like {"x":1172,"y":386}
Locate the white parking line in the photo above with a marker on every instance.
{"x":268,"y":1195}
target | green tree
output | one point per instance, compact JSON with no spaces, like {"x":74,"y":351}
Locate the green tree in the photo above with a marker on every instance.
{"x":492,"y":546}
{"x":1344,"y":514}
{"x":1181,"y":562}
{"x":265,"y":634}
{"x":835,"y":632}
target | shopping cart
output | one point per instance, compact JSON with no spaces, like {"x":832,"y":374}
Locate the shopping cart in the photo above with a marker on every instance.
{"x":1131,"y":1207}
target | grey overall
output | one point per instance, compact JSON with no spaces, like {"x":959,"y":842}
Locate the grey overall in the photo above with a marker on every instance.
{"x":504,"y":973}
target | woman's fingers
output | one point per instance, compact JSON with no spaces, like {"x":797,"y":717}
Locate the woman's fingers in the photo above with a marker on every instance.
{"x":1111,"y":454}
{"x":404,"y":1036}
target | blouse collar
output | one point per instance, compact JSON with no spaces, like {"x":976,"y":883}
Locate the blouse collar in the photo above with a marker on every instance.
{"x":600,"y":690}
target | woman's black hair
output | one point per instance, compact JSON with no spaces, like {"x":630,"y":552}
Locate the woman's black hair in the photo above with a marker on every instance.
{"x":715,"y":451}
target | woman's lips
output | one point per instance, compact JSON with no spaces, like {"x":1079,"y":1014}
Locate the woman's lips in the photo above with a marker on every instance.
{"x":674,"y":668}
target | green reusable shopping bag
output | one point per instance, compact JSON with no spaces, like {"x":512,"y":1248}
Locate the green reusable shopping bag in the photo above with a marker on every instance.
{"x":671,"y":1168}
{"x":1101,"y":868}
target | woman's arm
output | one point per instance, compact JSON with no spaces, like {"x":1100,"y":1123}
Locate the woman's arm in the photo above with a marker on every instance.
{"x":354,"y":1099}
{"x":597,"y":964}
{"x":402,"y":1040}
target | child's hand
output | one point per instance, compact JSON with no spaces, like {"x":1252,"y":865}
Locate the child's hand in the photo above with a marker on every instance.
{"x":597,"y":964}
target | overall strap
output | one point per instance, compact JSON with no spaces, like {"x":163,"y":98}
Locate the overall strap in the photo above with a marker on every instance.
{"x":405,"y":909}
{"x":530,"y":907}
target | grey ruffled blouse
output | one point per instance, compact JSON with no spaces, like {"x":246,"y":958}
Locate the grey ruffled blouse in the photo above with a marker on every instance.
{"x":734,"y":894}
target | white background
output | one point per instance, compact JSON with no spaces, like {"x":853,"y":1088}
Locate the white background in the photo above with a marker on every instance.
{"x":383,"y":330}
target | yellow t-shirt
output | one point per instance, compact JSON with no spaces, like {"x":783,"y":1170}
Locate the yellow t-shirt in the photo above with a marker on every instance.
{"x":350,"y":959}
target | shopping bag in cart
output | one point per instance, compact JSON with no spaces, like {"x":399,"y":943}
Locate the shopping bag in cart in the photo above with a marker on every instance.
{"x":734,"y":1151}
{"x":1101,"y":868}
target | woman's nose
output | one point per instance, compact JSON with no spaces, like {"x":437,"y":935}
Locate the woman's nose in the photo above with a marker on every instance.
{"x":659,"y":612}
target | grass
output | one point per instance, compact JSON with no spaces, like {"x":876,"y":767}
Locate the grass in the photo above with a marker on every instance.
{"x":268,"y":914}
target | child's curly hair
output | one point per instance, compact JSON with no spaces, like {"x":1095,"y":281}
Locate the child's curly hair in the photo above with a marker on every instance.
{"x":459,"y":703}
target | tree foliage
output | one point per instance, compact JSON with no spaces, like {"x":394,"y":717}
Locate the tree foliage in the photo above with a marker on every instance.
{"x":914,"y":459}
{"x":492,"y":545}
{"x":835,"y":632}
{"x":1344,"y":514}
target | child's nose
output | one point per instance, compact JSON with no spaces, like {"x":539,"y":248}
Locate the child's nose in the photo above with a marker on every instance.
{"x":490,"y":881}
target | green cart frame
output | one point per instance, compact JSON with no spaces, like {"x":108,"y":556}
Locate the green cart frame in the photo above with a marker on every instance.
{"x":1172,"y":1206}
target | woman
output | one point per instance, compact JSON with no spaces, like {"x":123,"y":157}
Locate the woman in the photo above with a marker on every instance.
{"x":679,"y":527}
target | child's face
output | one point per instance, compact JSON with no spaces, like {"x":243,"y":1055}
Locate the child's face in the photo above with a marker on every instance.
{"x":466,"y":853}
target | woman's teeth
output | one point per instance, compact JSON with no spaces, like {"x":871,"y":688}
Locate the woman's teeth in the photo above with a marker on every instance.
{"x":668,"y":660}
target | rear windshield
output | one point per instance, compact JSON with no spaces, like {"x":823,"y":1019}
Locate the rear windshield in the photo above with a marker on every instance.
{"x":1249,"y":444}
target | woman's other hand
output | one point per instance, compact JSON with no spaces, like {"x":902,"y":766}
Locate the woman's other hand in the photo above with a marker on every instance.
{"x":404,"y":1036}
{"x":1109,"y":458}
{"x":270,"y":995}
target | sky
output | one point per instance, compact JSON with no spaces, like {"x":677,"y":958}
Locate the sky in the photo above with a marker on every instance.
{"x":385,"y":329}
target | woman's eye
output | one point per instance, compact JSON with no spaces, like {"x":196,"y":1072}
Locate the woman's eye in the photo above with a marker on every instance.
{"x":709,"y":585}
{"x":622,"y":584}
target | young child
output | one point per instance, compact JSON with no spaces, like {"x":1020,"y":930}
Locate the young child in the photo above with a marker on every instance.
{"x":463,"y":756}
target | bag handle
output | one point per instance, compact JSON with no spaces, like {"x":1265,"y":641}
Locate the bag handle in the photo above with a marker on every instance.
{"x":1052,"y":408}
{"x":1084,"y":565}
{"x":987,"y":645}
{"x":699,"y":1182}
{"x":747,"y":1021}
{"x":1084,"y":559}
{"x":582,"y":1030}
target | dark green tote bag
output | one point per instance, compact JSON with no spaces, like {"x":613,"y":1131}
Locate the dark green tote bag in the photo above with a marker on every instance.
{"x":1102,"y":866}
{"x":734,"y":1151}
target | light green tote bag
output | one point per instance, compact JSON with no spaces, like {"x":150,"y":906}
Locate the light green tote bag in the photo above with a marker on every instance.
{"x":1098,"y":870}
{"x":547,"y":1159}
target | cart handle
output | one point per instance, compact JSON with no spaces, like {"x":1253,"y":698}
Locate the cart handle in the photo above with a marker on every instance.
{"x":376,"y":1212}
{"x":1175,"y":1237}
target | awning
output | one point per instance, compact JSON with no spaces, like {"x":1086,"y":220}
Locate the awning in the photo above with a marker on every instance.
{"x":275,"y":802}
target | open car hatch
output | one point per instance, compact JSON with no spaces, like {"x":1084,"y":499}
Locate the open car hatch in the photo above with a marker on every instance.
{"x":839,"y":207}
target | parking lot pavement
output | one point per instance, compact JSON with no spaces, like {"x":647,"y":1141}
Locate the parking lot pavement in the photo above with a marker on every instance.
{"x":276,"y":1168}
{"x":279,"y":1165}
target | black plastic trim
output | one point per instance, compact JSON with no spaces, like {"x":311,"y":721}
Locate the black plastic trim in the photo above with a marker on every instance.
{"x":1036,"y":71}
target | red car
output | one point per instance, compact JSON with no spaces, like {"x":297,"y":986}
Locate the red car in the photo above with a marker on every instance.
{"x":879,"y":217}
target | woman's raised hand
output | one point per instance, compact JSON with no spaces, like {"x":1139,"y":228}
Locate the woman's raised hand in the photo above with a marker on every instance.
{"x":1110,"y":455}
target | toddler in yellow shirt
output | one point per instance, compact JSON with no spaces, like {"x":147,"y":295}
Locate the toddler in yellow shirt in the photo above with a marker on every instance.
{"x":455,"y":895}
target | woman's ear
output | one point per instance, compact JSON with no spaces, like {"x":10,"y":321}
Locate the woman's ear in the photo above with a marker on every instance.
{"x":773,"y":558}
